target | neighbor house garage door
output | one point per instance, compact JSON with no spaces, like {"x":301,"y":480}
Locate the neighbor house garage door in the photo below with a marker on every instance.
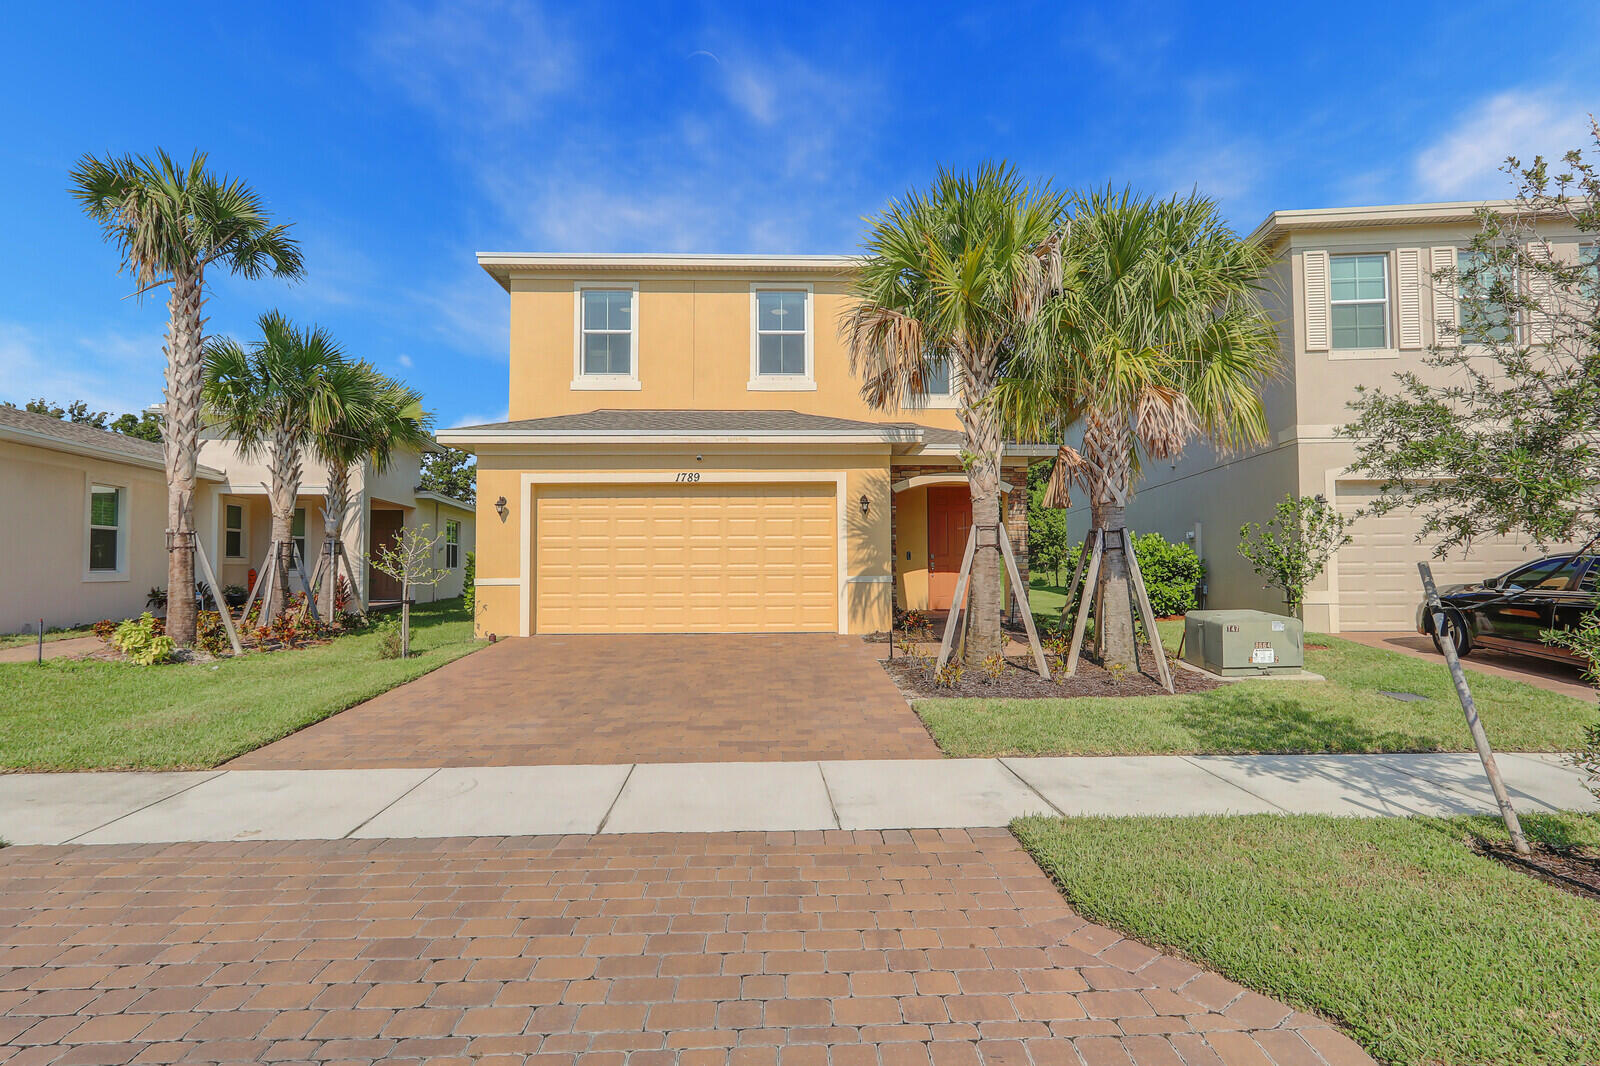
{"x":1378,"y":584}
{"x":685,"y":559}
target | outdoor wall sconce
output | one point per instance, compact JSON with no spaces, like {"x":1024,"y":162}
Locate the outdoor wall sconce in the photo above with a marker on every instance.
{"x":501,"y":508}
{"x":865,"y":503}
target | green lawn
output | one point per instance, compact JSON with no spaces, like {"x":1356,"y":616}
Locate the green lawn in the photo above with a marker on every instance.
{"x":1346,"y":713}
{"x":16,"y":640}
{"x":1425,"y":952}
{"x":89,"y":715}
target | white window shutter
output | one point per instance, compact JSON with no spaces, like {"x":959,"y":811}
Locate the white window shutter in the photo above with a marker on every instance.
{"x":1541,"y":322}
{"x":1408,"y":295}
{"x":1314,"y":265}
{"x":1444,"y":298}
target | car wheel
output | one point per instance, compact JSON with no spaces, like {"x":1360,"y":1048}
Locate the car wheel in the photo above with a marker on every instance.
{"x":1456,"y":633}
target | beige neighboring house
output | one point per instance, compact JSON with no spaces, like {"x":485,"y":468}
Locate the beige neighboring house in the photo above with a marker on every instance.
{"x":381,"y":504}
{"x":85,"y":513}
{"x":1356,"y":303}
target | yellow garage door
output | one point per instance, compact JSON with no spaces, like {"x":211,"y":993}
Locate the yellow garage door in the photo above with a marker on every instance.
{"x":685,"y":559}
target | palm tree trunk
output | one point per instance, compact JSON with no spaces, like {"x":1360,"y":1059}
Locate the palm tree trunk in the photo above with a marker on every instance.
{"x":983,"y":478}
{"x":181,"y":441}
{"x":1108,"y":444}
{"x":285,"y":489}
{"x":336,"y":503}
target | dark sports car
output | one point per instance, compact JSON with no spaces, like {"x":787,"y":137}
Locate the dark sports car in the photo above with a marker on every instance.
{"x":1507,"y":613}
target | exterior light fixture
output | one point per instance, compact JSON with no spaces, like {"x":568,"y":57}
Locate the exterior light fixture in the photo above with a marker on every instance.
{"x":865,"y":503}
{"x":501,"y":508}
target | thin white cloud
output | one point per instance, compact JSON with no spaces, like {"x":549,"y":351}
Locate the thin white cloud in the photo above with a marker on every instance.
{"x":404,"y":360}
{"x":1464,"y":162}
{"x":108,"y":371}
{"x":475,"y":62}
{"x":480,"y":420}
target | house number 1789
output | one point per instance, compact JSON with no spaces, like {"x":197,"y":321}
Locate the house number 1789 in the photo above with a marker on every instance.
{"x":689,"y":475}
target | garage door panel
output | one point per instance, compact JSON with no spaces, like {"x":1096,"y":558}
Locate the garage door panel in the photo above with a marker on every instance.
{"x":1379,"y":588}
{"x":693,"y":558}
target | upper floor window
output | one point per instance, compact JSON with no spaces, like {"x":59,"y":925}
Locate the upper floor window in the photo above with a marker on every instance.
{"x":1359,"y":300}
{"x":105,"y":529}
{"x":607,"y":335}
{"x":297,"y":531}
{"x":1484,"y":318}
{"x":781,"y":346}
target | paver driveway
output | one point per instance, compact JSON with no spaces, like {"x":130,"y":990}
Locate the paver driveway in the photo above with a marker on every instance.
{"x":801,"y":949}
{"x":624,"y":699}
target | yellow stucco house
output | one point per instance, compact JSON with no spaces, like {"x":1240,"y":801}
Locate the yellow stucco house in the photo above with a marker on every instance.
{"x":687,"y":451}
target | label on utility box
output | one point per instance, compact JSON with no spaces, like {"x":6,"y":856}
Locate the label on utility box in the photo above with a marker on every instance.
{"x":1277,"y":627}
{"x":1263,"y":655}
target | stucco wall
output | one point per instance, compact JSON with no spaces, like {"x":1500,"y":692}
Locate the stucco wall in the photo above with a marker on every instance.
{"x":44,"y":534}
{"x":693,"y":352}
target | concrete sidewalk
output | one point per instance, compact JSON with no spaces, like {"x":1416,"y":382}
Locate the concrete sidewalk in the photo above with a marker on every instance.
{"x":103,"y":808}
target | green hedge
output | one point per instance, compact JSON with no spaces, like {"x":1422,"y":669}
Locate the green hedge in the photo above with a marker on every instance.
{"x":1172,"y":572}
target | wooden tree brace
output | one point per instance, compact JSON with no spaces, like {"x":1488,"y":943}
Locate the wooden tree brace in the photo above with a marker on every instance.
{"x":1148,"y":613}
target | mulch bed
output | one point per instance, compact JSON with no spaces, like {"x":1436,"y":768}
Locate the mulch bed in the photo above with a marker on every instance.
{"x":1573,"y":870}
{"x":1020,"y":681}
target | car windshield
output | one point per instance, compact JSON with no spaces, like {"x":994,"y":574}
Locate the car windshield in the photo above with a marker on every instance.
{"x":1546,"y":574}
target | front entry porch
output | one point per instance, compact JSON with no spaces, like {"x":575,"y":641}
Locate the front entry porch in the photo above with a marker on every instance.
{"x":932,"y":516}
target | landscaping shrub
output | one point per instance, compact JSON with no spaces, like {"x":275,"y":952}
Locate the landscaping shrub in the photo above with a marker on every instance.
{"x":469,"y":588}
{"x":105,"y":629}
{"x":388,"y":631}
{"x":1171,"y":572}
{"x":143,"y":642}
{"x":209,"y":634}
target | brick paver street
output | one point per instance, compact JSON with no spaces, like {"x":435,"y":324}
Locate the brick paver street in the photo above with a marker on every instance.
{"x":821,"y":949}
{"x":624,"y":699}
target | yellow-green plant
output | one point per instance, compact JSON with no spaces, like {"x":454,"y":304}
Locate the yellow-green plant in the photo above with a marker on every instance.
{"x":141,"y":644}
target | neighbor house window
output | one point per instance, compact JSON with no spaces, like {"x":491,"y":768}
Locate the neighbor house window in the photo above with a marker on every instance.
{"x":782,"y":343}
{"x":1483,"y":319}
{"x":105,"y":529}
{"x":1359,"y":304}
{"x":452,"y":544}
{"x":233,"y":547}
{"x":297,"y":530}
{"x":607,"y":338}
{"x":936,"y":382}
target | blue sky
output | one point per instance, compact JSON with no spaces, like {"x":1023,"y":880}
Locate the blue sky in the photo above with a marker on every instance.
{"x":400,"y":138}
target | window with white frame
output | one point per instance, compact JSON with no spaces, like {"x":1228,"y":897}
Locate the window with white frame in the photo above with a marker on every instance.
{"x":106,"y":507}
{"x":1359,"y":304}
{"x":606,"y":333}
{"x":452,"y":544}
{"x":782,"y":340}
{"x":297,"y":530}
{"x":233,"y":531}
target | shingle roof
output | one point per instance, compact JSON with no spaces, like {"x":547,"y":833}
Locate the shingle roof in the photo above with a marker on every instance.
{"x":44,"y":431}
{"x":693,"y":424}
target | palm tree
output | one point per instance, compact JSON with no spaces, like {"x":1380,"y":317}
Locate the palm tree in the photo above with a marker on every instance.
{"x":274,"y":398}
{"x":380,"y":417}
{"x":956,"y":274}
{"x":1156,"y":336}
{"x":171,"y":223}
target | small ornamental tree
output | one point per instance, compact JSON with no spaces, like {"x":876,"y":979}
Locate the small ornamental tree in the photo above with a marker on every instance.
{"x":1047,"y":526}
{"x":409,"y":560}
{"x":1296,"y":543}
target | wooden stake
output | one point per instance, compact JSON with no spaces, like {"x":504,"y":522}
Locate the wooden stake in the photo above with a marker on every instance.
{"x":1077,"y":572}
{"x":305,"y":583}
{"x":958,"y":603}
{"x":216,"y":593}
{"x":1083,"y":604}
{"x":1480,"y":739}
{"x":1021,"y":592}
{"x":1149,"y":614}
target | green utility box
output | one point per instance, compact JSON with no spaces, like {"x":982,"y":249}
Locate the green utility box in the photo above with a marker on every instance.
{"x":1244,"y":643}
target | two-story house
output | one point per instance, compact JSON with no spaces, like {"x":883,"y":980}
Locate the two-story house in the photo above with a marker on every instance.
{"x":687,"y":451}
{"x":1356,"y":301}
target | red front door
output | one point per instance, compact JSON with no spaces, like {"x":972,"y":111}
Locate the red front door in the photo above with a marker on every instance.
{"x":949,"y":520}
